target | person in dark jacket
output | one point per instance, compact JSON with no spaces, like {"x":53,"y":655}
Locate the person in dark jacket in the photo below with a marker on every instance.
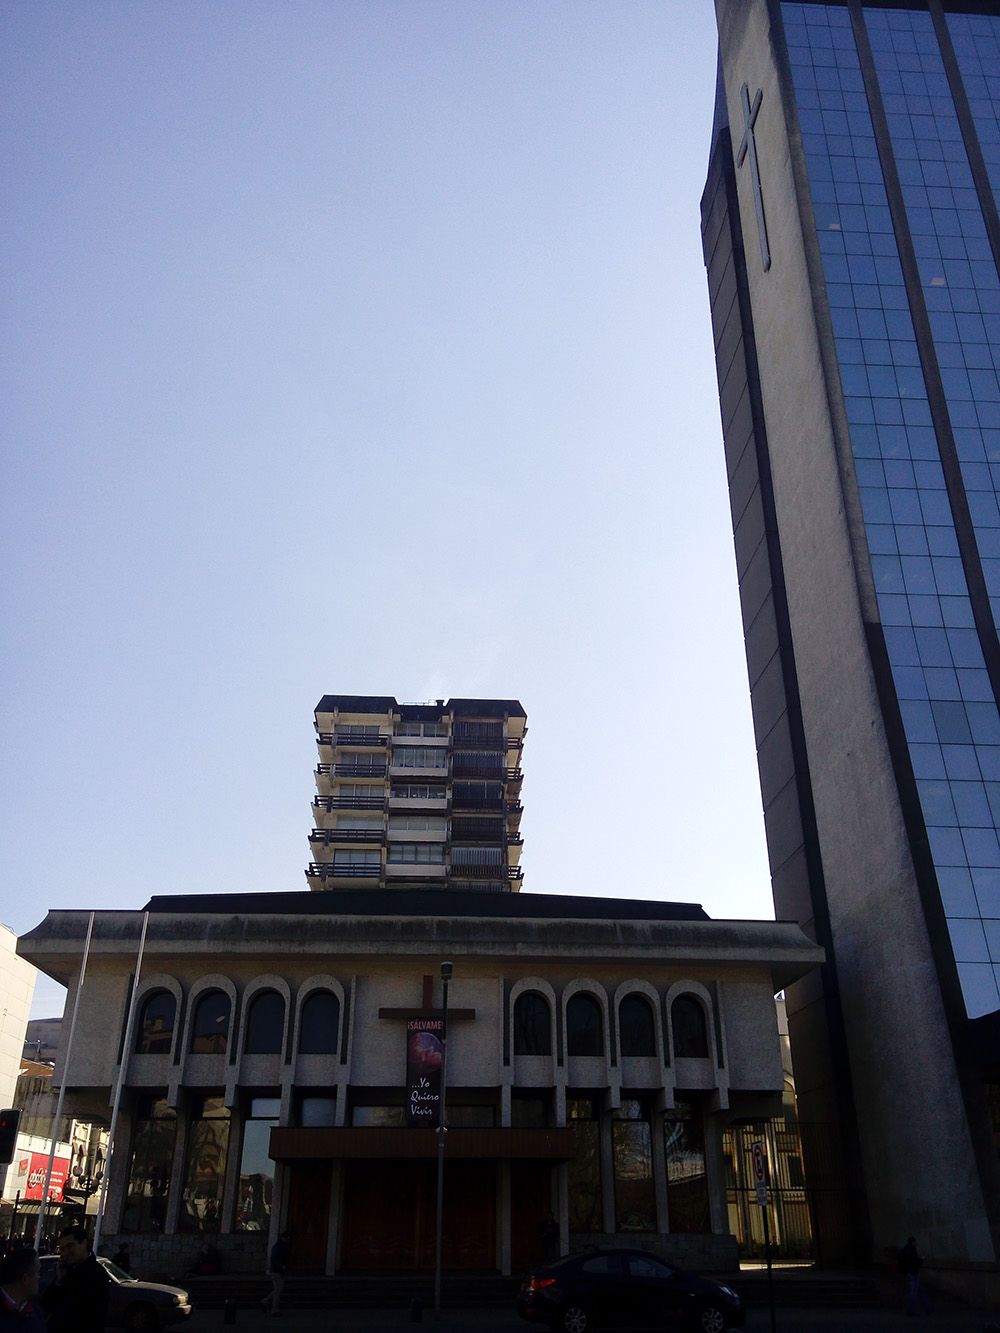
{"x":281,"y":1252}
{"x":77,"y":1302}
{"x":19,"y":1308}
{"x":910,"y":1263}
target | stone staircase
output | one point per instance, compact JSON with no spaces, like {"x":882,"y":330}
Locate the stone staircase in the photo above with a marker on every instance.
{"x":798,"y":1289}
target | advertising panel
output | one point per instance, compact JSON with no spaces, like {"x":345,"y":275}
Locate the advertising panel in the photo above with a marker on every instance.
{"x":424,"y":1056}
{"x":30,"y":1175}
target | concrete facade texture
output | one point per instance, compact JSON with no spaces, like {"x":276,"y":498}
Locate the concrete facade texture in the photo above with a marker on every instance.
{"x":924,"y":1159}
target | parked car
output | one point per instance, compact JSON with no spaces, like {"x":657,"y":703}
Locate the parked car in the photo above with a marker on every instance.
{"x":138,"y":1307}
{"x":625,"y":1289}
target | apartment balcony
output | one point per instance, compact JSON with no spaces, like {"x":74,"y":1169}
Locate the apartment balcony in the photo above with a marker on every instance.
{"x":477,"y":885}
{"x":515,"y":874}
{"x":463,"y":767}
{"x":362,"y":769}
{"x":425,"y":804}
{"x":326,"y":837}
{"x":478,"y":736}
{"x":337,"y":738}
{"x":414,"y":870}
{"x":495,"y":870}
{"x":332,"y":870}
{"x":477,"y":804}
{"x":349,"y":802}
{"x":478,"y":830}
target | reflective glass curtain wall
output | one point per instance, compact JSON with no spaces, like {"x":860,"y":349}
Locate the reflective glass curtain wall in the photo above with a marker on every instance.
{"x":949,"y":711}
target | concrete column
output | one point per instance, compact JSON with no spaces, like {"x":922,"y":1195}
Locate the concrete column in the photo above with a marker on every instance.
{"x":177,"y":1171}
{"x":232,"y":1180}
{"x":607,"y":1171}
{"x":715,"y":1173}
{"x":333,"y":1232}
{"x":659,"y":1173}
{"x":503,"y":1217}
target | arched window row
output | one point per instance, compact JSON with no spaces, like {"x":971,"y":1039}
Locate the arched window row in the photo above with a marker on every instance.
{"x":532,"y":1025}
{"x":264,"y":1032}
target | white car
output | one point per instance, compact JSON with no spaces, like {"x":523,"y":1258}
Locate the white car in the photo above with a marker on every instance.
{"x":138,"y":1307}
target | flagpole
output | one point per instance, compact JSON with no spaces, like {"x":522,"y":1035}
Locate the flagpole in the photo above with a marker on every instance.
{"x":57,"y":1115}
{"x":126,"y":1051}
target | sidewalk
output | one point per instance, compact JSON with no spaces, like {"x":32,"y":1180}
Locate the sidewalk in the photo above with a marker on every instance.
{"x":950,"y":1320}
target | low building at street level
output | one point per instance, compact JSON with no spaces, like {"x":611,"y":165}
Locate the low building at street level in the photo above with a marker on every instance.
{"x":284,"y":1069}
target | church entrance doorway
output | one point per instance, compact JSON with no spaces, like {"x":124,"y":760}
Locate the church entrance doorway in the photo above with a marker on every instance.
{"x":389,"y":1215}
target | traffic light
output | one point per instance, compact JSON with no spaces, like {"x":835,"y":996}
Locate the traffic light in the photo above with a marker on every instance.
{"x":9,"y":1121}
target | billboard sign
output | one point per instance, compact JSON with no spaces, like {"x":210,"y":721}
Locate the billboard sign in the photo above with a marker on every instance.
{"x":30,"y":1179}
{"x":424,"y":1058}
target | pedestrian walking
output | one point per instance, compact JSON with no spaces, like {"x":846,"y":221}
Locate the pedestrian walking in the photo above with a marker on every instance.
{"x":910,"y":1264}
{"x":277,"y":1267}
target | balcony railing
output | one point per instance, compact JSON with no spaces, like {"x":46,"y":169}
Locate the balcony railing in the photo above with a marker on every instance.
{"x":515,"y":872}
{"x":345,"y":738}
{"x":493,"y":871}
{"x":336,"y":870}
{"x":359,"y":770}
{"x":349,"y":802}
{"x":325,"y":836}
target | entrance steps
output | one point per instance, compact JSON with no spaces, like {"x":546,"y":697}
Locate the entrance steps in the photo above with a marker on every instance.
{"x":804,"y":1288}
{"x":795,"y":1289}
{"x":382,"y":1291}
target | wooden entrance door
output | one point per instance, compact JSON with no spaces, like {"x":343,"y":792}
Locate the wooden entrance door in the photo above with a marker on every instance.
{"x":309,"y":1215}
{"x":390,"y":1213}
{"x":530,"y":1204}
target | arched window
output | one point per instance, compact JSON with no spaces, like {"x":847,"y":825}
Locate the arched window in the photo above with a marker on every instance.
{"x":265,"y":1024}
{"x":156,"y":1024}
{"x":584,"y":1026}
{"x":532,"y":1024}
{"x":210,"y":1026}
{"x":687,"y":1019}
{"x":320,"y":1025}
{"x":636,"y":1026}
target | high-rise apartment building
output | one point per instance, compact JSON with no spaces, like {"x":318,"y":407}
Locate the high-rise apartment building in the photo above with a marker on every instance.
{"x":852,"y":240}
{"x":417,"y":795}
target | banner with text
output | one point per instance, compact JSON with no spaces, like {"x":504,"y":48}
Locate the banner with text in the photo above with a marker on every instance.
{"x":424,"y":1057}
{"x":31,"y":1168}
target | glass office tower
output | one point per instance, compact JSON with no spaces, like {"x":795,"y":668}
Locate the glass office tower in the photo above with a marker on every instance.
{"x":852,"y":240}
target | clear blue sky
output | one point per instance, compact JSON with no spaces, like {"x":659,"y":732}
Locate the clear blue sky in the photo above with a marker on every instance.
{"x":361,"y":346}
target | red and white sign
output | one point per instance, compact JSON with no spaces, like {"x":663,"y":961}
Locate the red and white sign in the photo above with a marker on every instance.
{"x":31,"y":1168}
{"x":760,"y":1173}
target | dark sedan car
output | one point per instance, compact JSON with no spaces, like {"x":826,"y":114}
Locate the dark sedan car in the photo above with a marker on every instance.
{"x":625,"y":1289}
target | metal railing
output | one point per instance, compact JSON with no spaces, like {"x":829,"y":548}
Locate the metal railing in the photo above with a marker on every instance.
{"x":349,"y":802}
{"x":327,"y":836}
{"x":330,"y":870}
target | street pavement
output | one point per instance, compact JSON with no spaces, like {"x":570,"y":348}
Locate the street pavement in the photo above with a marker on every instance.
{"x":952,"y":1319}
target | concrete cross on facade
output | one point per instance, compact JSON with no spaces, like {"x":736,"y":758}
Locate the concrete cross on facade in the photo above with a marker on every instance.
{"x":748,"y":149}
{"x":426,"y":1008}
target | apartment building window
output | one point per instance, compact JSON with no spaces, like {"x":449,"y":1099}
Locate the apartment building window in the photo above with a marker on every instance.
{"x":205,"y":1171}
{"x":477,"y":856}
{"x":419,"y":756}
{"x":344,"y":858}
{"x":418,"y":791}
{"x":149,"y":1173}
{"x":416,"y":853}
{"x":418,"y":824}
{"x":422,"y":729}
{"x":360,"y":821}
{"x":357,"y":732}
{"x":253,"y":1204}
{"x":366,"y":791}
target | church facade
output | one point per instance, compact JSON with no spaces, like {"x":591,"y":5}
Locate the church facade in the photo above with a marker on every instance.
{"x":269,"y":1051}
